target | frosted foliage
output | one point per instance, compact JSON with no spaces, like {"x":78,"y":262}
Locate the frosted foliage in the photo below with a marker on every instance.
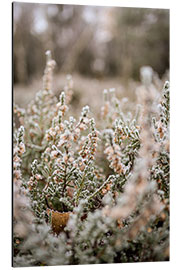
{"x":89,"y":191}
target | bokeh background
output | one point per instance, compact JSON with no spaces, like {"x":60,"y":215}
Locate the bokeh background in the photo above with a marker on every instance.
{"x":101,"y":47}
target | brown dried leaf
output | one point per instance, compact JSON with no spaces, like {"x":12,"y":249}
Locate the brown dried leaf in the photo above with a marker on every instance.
{"x":58,"y":221}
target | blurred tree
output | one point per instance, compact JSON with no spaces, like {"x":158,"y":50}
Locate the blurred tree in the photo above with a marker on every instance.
{"x":93,"y":41}
{"x":140,"y":37}
{"x":27,"y":60}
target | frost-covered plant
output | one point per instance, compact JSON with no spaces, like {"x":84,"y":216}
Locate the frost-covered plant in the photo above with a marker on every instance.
{"x":71,"y":208}
{"x":161,"y":169}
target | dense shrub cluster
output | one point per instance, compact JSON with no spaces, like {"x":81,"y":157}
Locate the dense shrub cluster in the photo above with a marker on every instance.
{"x":83,"y":195}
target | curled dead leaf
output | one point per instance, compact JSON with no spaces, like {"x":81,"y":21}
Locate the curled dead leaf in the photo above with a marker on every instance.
{"x":58,"y":220}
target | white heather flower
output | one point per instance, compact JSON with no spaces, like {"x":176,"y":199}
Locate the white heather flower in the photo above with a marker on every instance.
{"x":52,"y":132}
{"x":65,"y":158}
{"x":71,"y":159}
{"x":68,"y":144}
{"x":58,"y":161}
{"x":55,"y":178}
{"x":67,"y":136}
{"x":21,"y":148}
{"x":48,"y":150}
{"x":56,"y":128}
{"x":61,"y":126}
{"x":38,"y":177}
{"x":82,"y":126}
{"x":76,"y":134}
{"x":86,"y":120}
{"x":16,"y":165}
{"x":54,"y":154}
{"x":116,"y":147}
{"x":58,"y":105}
{"x":16,"y":159}
{"x":16,"y":149}
{"x":60,"y":143}
{"x":17,"y":174}
{"x":48,"y":137}
{"x":77,"y":131}
{"x":34,"y":109}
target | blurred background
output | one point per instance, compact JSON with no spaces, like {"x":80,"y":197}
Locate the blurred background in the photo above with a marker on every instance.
{"x":100,"y":46}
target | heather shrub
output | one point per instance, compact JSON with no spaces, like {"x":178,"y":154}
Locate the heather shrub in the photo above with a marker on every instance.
{"x":88,"y":193}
